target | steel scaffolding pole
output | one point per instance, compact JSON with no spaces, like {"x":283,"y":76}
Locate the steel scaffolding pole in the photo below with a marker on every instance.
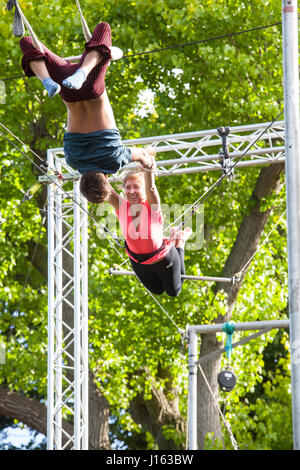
{"x":292,"y":145}
{"x":192,"y":392}
{"x":67,"y":314}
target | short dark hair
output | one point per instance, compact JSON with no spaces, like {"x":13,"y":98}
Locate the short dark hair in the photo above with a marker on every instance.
{"x":95,"y":187}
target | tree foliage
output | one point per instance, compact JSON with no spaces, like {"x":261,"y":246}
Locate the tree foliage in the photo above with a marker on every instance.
{"x":135,"y":350}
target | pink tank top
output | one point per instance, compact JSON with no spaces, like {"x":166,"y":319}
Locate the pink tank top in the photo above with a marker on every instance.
{"x":142,"y":228}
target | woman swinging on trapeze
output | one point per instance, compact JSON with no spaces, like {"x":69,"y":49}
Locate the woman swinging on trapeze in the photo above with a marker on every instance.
{"x":92,"y":143}
{"x":158,"y":262}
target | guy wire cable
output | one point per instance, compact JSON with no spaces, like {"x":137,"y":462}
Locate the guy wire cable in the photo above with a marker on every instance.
{"x":207,"y":193}
{"x":201,"y":41}
{"x":105,"y":229}
{"x":96,"y":222}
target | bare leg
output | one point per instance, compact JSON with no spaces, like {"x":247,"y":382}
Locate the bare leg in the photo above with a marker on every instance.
{"x":91,"y":60}
{"x":40,"y":70}
{"x":76,"y":80}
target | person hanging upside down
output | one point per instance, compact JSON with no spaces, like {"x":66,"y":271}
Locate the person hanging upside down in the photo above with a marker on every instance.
{"x":158,"y":262}
{"x":92,"y":143}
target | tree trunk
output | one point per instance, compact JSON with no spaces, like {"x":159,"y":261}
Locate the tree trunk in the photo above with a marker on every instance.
{"x":98,"y":418}
{"x":207,"y":415}
{"x":156,"y":415}
{"x":246,"y":243}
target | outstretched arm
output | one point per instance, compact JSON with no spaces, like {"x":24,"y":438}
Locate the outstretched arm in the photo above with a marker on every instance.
{"x":152,"y":193}
{"x":114,"y":198}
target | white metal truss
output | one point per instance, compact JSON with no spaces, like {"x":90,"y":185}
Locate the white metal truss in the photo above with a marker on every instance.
{"x":259,"y":144}
{"x":200,"y":151}
{"x":193,"y":152}
{"x":67,"y":314}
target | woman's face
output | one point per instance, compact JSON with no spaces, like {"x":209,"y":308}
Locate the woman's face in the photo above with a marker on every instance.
{"x":135,"y":190}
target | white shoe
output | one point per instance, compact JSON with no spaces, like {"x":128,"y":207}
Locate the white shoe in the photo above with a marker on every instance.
{"x":185,"y":234}
{"x":181,"y":234}
{"x":116,"y":53}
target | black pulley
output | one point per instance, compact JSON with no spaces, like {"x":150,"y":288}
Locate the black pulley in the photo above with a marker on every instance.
{"x":227,"y":380}
{"x":44,"y":165}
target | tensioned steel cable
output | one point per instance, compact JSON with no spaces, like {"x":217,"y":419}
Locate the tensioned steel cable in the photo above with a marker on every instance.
{"x":201,"y":41}
{"x":180,"y":331}
{"x":205,"y":195}
{"x":52,"y":180}
{"x":175,"y":46}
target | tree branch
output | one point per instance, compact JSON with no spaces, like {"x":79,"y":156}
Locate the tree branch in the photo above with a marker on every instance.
{"x":246,"y":243}
{"x":250,"y":231}
{"x":27,"y":411}
{"x":156,"y":413}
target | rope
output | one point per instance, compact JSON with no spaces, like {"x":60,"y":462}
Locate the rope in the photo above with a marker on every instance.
{"x":228,"y":328}
{"x":18,"y":28}
{"x":226,"y":424}
{"x":85,"y":28}
{"x":181,"y":332}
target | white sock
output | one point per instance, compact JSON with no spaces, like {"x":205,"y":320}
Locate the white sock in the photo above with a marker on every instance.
{"x":76,"y":80}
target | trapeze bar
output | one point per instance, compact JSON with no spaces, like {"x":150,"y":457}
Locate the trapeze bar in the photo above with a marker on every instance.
{"x":192,"y":278}
{"x":73,"y":57}
{"x":256,"y":325}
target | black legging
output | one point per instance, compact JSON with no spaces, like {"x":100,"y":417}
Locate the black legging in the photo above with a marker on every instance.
{"x":164,"y":275}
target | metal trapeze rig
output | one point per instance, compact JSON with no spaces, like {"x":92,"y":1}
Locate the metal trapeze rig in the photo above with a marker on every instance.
{"x":68,"y":254}
{"x":68,"y":246}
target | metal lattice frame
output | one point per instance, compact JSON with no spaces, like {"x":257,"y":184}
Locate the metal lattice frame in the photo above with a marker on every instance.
{"x":67,"y":314}
{"x":195,"y":152}
{"x":67,"y":257}
{"x":200,"y":151}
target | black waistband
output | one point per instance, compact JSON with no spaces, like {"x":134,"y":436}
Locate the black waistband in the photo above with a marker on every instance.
{"x":140,"y":258}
